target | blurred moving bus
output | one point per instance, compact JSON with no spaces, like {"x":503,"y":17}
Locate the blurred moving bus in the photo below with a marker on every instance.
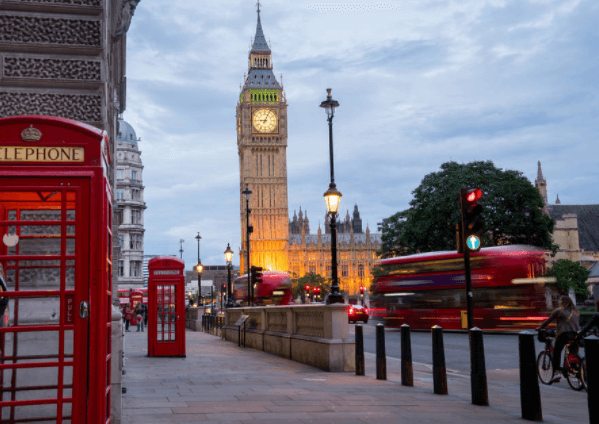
{"x":274,"y":290}
{"x":508,"y":286}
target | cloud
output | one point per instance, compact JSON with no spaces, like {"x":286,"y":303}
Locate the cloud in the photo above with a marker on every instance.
{"x":419,"y":84}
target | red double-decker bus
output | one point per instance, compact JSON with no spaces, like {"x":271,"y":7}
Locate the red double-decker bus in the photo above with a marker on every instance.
{"x":275,"y":289}
{"x":133,"y":296}
{"x":508,"y":286}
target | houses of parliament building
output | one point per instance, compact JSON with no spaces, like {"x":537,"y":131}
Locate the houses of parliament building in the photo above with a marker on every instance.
{"x":278,"y":243}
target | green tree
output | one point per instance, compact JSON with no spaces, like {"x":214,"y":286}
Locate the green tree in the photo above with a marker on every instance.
{"x":512,"y":211}
{"x":570,"y":274}
{"x":311,"y":279}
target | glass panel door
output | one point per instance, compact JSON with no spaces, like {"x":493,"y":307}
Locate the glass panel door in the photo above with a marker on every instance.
{"x":42,"y":342}
{"x":167,"y":313}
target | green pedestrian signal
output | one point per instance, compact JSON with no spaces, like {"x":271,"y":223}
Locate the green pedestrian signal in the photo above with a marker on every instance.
{"x":473,"y":243}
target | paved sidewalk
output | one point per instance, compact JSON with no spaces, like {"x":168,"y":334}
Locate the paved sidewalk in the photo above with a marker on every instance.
{"x":221,"y":383}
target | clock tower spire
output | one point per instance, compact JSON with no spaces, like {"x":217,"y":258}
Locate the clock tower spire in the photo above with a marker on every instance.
{"x":262,"y":147}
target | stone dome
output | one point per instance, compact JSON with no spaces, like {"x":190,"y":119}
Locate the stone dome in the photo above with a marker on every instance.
{"x":126,"y":133}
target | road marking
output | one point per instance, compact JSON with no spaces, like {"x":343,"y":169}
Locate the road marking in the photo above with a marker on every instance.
{"x":454,"y":373}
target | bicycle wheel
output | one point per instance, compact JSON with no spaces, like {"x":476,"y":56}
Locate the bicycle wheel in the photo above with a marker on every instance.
{"x":545,"y":367}
{"x":574,"y":376}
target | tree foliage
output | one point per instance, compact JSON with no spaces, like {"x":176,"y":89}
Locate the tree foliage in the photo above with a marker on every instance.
{"x":570,"y":274}
{"x":430,"y":222}
{"x":311,"y":279}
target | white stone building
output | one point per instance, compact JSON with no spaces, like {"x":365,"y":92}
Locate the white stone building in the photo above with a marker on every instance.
{"x":129,"y":198}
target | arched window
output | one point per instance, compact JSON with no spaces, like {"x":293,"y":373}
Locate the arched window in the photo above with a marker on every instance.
{"x":360,"y":270}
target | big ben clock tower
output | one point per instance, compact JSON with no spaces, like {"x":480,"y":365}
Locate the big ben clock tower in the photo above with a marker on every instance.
{"x":262,"y":146}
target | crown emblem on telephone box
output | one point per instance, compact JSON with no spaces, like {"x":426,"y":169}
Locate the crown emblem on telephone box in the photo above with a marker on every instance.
{"x":31,"y":134}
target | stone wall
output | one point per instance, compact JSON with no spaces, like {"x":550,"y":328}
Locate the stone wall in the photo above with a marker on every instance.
{"x":316,"y":335}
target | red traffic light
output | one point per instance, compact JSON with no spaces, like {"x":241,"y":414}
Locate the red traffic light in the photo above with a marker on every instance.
{"x":361,"y":289}
{"x":307,"y":288}
{"x":474,"y":194}
{"x":316,"y":289}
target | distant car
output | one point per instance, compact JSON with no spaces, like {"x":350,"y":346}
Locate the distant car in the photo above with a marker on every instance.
{"x":357,"y":313}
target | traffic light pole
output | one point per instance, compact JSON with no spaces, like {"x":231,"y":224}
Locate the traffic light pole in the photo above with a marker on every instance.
{"x":469,"y":310}
{"x":469,"y":239}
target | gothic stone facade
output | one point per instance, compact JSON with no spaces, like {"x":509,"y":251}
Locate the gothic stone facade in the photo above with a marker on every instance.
{"x":277,"y":243}
{"x":262,"y":146}
{"x":576,"y":227}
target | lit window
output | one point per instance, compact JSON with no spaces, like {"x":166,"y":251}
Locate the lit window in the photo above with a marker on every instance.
{"x":360,"y":270}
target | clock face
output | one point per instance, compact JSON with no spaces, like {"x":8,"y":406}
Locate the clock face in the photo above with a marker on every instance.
{"x":265,"y":120}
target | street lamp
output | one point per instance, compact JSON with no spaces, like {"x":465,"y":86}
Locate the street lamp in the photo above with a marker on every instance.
{"x":199,"y":269}
{"x":247,"y":193}
{"x":332,"y":197}
{"x":229,"y":259}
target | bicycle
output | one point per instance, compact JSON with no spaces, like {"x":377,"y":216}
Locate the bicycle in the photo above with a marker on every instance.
{"x":574,"y":368}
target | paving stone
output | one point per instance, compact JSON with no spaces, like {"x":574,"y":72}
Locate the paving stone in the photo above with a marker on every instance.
{"x":220,"y":383}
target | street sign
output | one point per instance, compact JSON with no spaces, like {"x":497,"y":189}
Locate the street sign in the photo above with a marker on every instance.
{"x":473,"y":243}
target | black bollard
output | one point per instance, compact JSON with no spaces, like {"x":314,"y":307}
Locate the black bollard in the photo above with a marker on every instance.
{"x":439,"y":370}
{"x":591,"y":353}
{"x":381,"y":357}
{"x":478,"y":371}
{"x":407,"y":373}
{"x":359,"y":350}
{"x":203,"y":323}
{"x":530,"y":396}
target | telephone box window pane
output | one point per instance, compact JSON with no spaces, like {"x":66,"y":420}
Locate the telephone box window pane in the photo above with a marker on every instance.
{"x":68,"y":344}
{"x":33,"y":413}
{"x":40,"y":275}
{"x":35,"y":311}
{"x":66,"y":411}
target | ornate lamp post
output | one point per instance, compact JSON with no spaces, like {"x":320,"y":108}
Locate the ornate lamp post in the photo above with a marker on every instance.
{"x":332,"y":197}
{"x":247,"y":193}
{"x":199,"y":269}
{"x":229,"y":259}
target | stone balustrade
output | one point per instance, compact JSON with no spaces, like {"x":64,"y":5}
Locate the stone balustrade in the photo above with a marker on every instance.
{"x":317,"y":335}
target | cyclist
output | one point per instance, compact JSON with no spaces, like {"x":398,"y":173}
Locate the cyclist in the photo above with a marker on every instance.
{"x":567,"y":317}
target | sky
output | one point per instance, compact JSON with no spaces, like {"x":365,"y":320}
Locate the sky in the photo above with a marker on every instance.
{"x":419,"y":83}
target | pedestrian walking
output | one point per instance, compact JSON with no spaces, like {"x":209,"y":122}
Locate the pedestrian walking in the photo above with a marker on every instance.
{"x":566,"y":316}
{"x":139,"y":317}
{"x":128,"y":314}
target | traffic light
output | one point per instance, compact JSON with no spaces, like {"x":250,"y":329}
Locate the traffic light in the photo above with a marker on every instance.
{"x":361,"y":291}
{"x":472,"y":222}
{"x":257,"y":275}
{"x":317,"y":292}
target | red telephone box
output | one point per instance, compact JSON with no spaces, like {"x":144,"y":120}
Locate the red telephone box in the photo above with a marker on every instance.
{"x":56,"y":263}
{"x":136,"y":297}
{"x":166,"y":307}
